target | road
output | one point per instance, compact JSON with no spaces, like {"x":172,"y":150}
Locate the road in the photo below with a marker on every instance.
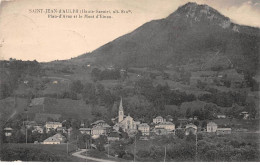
{"x":78,"y":154}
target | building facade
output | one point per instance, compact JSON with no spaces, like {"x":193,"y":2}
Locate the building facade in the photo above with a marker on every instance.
{"x":145,"y":129}
{"x":169,"y":126}
{"x":223,"y":131}
{"x":212,"y":127}
{"x":52,"y":126}
{"x":158,"y":119}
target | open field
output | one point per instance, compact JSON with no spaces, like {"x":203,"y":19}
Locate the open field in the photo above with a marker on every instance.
{"x":58,"y":150}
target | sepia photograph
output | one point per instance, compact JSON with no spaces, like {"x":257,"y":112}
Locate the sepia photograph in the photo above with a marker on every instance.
{"x":129,"y":81}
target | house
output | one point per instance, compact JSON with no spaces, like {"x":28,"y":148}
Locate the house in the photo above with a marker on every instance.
{"x":169,"y":126}
{"x":190,"y":128}
{"x":97,"y":131}
{"x":113,"y":136}
{"x":223,"y":131}
{"x":245,"y":115}
{"x":221,"y":116}
{"x":144,"y":128}
{"x":52,"y":126}
{"x":98,"y":123}
{"x":158,"y":119}
{"x":85,"y":131}
{"x":8,"y":131}
{"x":51,"y":140}
{"x":60,"y":137}
{"x":38,"y":129}
{"x":212,"y":127}
{"x":56,"y":139}
{"x":30,"y":124}
{"x":61,"y":129}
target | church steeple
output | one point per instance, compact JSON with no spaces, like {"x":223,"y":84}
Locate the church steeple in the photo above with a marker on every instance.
{"x":121,"y":112}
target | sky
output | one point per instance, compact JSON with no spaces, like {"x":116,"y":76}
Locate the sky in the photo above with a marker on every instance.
{"x":33,"y":36}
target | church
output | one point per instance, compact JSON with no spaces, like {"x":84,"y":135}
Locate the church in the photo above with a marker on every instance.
{"x":127,"y":123}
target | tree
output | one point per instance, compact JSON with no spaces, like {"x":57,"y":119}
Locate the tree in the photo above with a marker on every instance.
{"x":188,"y":113}
{"x":118,"y":148}
{"x":100,"y":142}
{"x":191,"y":137}
{"x":180,"y":133}
{"x":76,"y":86}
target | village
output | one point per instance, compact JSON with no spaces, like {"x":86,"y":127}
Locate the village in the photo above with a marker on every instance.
{"x":125,"y":123}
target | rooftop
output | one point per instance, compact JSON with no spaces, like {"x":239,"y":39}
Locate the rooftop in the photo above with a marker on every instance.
{"x":224,"y":129}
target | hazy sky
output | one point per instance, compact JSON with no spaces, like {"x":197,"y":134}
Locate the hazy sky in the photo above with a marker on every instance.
{"x":30,"y":36}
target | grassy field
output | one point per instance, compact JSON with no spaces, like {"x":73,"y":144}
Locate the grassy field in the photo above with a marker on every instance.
{"x":58,"y":149}
{"x":65,"y":107}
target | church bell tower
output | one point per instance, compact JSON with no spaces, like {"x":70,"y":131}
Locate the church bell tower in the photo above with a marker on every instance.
{"x":120,"y":112}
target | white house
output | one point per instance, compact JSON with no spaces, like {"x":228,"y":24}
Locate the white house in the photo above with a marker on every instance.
{"x":52,"y":126}
{"x":56,"y":139}
{"x":38,"y":129}
{"x":144,"y":128}
{"x":169,"y":126}
{"x":8,"y":131}
{"x":158,"y":119}
{"x":212,"y":127}
{"x":97,"y":131}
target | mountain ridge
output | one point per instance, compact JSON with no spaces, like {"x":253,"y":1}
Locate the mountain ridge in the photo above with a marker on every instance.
{"x":191,"y":32}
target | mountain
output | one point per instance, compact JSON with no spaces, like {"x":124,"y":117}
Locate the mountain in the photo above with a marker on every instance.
{"x":193,"y":34}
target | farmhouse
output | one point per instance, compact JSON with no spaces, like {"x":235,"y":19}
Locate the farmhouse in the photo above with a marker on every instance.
{"x":56,"y":139}
{"x":212,"y":127}
{"x":223,"y":131}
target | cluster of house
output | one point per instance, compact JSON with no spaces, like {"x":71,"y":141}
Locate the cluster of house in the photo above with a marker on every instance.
{"x":159,"y":126}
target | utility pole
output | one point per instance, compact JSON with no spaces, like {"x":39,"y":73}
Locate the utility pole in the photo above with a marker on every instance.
{"x":26,"y":133}
{"x":108,"y":149}
{"x":164,"y":153}
{"x":134,"y":148}
{"x":67,"y":148}
{"x":26,"y":126}
{"x":196,"y":154}
{"x":86,"y":151}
